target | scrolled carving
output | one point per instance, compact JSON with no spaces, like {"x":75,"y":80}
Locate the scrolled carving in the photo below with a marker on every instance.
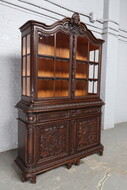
{"x":74,"y":26}
{"x":73,"y":29}
{"x":75,"y":19}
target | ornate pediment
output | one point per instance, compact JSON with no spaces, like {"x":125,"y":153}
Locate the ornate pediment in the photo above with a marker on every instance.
{"x":74,"y":26}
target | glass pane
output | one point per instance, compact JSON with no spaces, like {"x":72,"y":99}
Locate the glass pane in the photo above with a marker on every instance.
{"x":45,"y":88}
{"x":96,"y":55}
{"x":45,"y":67}
{"x":62,"y":68}
{"x":93,"y":53}
{"x":80,"y":88}
{"x":28,"y":43}
{"x":46,"y":45}
{"x":61,"y":88}
{"x":24,"y":46}
{"x":28,"y":86}
{"x":96,"y":71}
{"x":81,"y":70}
{"x":24,"y":66}
{"x":82,"y":49}
{"x":23,"y":86}
{"x":62,"y":45}
{"x":95,"y":87}
{"x":91,"y":70}
{"x":28,"y":65}
{"x":90,"y":86}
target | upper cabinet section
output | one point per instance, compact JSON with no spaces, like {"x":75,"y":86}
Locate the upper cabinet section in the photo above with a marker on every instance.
{"x":60,"y":61}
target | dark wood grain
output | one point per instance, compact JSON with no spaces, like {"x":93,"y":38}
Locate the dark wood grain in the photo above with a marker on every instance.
{"x":56,"y":130}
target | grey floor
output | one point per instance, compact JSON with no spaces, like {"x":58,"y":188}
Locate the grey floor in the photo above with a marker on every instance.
{"x":108,"y":172}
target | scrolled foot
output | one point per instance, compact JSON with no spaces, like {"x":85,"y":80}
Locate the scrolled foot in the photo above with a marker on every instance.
{"x":100,"y":152}
{"x":77,"y":163}
{"x":69,"y":165}
{"x":33,"y":179}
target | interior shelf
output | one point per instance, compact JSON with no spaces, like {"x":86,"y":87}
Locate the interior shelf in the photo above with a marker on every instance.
{"x":53,"y":78}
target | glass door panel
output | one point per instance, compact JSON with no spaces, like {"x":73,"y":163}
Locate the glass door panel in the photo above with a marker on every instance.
{"x":61,"y":88}
{"x":81,"y":70}
{"x":80,"y":88}
{"x":62,"y":68}
{"x":45,"y":67}
{"x":93,"y":69}
{"x":26,"y":65}
{"x":45,"y":88}
{"x":82,"y":49}
{"x":46,"y":44}
{"x":62,"y":45}
{"x":28,"y":44}
{"x":53,"y":65}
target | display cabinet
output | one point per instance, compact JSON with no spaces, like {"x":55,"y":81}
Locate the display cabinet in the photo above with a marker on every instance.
{"x":59,"y":114}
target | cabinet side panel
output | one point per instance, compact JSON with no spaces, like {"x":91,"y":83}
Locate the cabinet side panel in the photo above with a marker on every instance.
{"x":22,"y":141}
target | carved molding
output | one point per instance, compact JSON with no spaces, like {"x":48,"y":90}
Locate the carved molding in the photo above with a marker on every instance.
{"x":42,"y":167}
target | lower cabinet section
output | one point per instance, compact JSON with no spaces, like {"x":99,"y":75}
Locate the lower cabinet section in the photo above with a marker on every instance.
{"x":50,"y":144}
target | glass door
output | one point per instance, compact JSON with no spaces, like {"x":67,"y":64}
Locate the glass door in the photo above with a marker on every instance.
{"x":26,"y":65}
{"x":93,"y":69}
{"x":53,"y":65}
{"x":81,"y":73}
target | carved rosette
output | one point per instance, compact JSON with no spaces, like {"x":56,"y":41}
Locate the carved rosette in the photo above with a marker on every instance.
{"x":31,"y":118}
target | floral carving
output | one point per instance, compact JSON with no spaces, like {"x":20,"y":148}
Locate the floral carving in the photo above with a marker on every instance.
{"x":87,"y":133}
{"x":53,"y":140}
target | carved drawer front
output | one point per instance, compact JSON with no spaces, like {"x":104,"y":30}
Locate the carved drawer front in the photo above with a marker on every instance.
{"x":93,"y":110}
{"x":87,"y":132}
{"x":47,"y":116}
{"x":52,"y":141}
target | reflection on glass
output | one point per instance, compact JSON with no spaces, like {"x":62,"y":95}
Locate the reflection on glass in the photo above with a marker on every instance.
{"x":45,"y":67}
{"x":62,"y":46}
{"x":46,"y":45}
{"x":24,"y":46}
{"x":82,"y":49}
{"x":61,"y":88}
{"x":28,"y":43}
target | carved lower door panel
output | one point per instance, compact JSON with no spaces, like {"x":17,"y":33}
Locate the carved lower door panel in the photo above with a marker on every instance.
{"x":88,"y":130}
{"x":52,"y":141}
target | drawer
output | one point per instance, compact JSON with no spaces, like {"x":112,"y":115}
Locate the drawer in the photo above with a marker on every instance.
{"x":48,"y":116}
{"x":84,"y":111}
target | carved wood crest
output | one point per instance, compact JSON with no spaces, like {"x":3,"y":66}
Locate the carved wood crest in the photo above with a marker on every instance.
{"x":74,"y":26}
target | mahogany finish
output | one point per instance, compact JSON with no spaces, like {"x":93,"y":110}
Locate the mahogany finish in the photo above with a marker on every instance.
{"x":59,"y":114}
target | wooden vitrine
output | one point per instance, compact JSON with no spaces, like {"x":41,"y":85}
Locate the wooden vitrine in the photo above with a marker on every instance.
{"x":59,"y":118}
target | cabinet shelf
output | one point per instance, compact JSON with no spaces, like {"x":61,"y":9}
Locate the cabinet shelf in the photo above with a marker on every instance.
{"x":53,"y":57}
{"x":53,"y":78}
{"x":80,"y":61}
{"x":93,"y":63}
